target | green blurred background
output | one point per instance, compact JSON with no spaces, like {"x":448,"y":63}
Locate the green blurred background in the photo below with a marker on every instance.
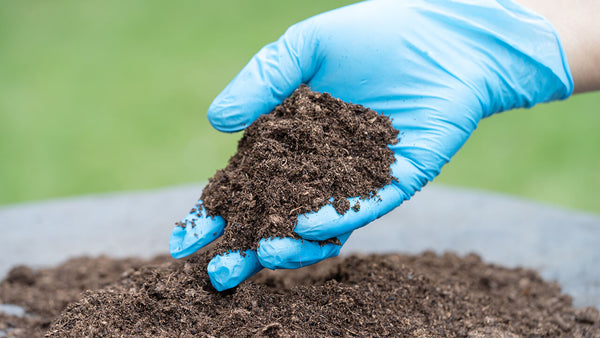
{"x":111,"y":95}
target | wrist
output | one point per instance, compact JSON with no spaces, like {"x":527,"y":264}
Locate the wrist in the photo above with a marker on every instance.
{"x":579,"y":29}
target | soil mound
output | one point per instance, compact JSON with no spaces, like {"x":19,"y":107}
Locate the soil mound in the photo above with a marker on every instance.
{"x":44,"y":293}
{"x":375,"y":295}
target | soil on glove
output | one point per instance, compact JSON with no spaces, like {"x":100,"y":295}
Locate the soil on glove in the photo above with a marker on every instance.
{"x":310,"y":151}
{"x":375,"y":295}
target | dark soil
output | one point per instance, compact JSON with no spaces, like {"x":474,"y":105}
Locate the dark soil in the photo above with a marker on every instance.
{"x":376,"y":295}
{"x":292,"y":161}
{"x":44,"y":293}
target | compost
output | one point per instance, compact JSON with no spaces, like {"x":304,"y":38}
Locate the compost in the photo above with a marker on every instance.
{"x":310,"y":151}
{"x":374,"y":295}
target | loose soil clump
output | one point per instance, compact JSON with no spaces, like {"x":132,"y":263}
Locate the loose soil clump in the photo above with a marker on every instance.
{"x":310,"y":151}
{"x":374,"y":295}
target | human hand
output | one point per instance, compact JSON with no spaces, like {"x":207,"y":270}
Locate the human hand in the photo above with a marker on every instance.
{"x":436,"y":68}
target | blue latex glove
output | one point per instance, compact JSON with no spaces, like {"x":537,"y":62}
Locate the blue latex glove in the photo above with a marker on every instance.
{"x":436,"y":68}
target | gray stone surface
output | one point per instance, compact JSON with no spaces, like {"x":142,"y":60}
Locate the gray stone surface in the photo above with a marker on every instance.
{"x":11,"y":310}
{"x":562,"y":245}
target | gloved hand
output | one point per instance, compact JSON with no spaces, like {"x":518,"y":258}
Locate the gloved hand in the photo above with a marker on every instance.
{"x":435,"y":67}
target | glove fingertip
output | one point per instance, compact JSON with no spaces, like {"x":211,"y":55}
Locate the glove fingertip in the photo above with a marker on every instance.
{"x":290,"y":253}
{"x":228,"y":270}
{"x":225,"y":114}
{"x":326,"y":222}
{"x":193,"y":233}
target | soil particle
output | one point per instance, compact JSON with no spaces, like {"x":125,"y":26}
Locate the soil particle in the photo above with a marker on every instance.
{"x":310,"y":151}
{"x":373,"y":295}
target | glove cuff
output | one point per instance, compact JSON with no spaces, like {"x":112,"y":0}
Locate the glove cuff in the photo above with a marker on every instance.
{"x":538,"y":40}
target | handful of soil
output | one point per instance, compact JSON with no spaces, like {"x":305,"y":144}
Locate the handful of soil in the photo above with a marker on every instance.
{"x":310,"y":151}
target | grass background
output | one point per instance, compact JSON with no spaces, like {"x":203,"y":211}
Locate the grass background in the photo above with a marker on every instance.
{"x":111,"y":95}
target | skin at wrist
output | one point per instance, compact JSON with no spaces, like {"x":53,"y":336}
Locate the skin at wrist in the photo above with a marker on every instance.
{"x":578,"y":26}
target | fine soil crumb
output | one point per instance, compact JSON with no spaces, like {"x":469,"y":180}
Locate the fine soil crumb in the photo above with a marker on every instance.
{"x":375,"y":295}
{"x":310,"y":151}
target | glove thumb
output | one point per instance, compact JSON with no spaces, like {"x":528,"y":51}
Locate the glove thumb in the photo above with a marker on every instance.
{"x":270,"y":76}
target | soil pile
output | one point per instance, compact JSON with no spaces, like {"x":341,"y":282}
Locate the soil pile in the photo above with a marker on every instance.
{"x":309,"y":149}
{"x":44,"y":293}
{"x":375,"y":295}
